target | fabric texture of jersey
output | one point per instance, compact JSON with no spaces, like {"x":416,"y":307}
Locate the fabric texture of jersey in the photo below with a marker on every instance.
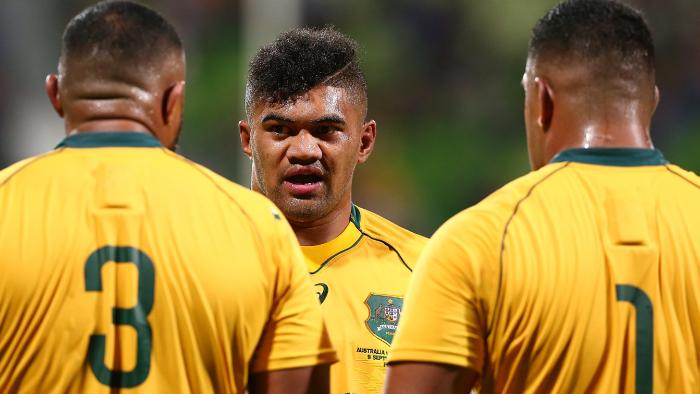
{"x":583,"y":276}
{"x":361,"y":278}
{"x":125,"y":266}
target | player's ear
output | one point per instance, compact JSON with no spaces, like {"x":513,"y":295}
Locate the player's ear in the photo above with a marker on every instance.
{"x":172,"y":105}
{"x":545,"y":96}
{"x":54,"y":95}
{"x":369,"y":135}
{"x":244,"y":132}
{"x":657,"y":98}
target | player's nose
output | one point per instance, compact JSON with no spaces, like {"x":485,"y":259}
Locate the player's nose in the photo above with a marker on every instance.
{"x":304,"y":148}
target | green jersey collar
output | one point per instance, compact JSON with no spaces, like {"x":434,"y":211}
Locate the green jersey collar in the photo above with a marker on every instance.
{"x":621,"y":157}
{"x":110,"y":139}
{"x":355,"y":216}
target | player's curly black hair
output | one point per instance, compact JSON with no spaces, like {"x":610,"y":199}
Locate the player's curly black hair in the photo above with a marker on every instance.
{"x":301,"y":59}
{"x":606,"y":32}
{"x":121,"y":31}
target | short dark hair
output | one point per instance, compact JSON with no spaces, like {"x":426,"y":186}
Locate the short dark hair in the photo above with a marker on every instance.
{"x":120,"y":31}
{"x":301,"y":59}
{"x":603,"y":32}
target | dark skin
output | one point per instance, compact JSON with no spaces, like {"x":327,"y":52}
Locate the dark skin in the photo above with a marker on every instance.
{"x":589,"y":113}
{"x":417,"y":377}
{"x":565,"y":107}
{"x":304,"y":155}
{"x":146,"y":99}
{"x":295,"y":381}
{"x":150,"y":100}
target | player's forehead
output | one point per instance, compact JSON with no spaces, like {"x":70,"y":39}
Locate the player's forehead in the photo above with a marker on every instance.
{"x":320,"y":101}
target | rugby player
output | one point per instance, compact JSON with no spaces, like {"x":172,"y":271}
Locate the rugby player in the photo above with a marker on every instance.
{"x":127,"y":267}
{"x":306,"y":130}
{"x":583,"y":275}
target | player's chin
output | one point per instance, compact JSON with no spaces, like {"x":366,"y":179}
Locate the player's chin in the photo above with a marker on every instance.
{"x":304,"y":209}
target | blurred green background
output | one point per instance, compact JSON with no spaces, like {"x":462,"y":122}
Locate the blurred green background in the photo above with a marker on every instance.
{"x":444,"y":80}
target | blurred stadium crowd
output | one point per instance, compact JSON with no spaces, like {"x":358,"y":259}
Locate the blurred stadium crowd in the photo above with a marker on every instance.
{"x":444,"y":80}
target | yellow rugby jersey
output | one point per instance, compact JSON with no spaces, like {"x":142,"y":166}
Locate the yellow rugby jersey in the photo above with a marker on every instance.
{"x":583,"y":276}
{"x":125,"y":266}
{"x":361,"y":277}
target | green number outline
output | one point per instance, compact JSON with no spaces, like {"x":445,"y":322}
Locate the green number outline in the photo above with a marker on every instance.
{"x":644,"y":375}
{"x":135,"y":317}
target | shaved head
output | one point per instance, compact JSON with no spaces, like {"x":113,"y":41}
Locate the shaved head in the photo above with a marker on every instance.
{"x":609,"y":39}
{"x":120,"y":60}
{"x":117,"y":36}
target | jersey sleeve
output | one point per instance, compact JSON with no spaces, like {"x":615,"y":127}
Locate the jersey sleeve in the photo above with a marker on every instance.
{"x":444,"y":317}
{"x":295,"y":335}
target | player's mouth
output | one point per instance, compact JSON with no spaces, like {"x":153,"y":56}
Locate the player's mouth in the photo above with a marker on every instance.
{"x":303,"y":181}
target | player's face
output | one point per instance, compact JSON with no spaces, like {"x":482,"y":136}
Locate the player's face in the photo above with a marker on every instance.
{"x":305,"y":151}
{"x":534,"y":132}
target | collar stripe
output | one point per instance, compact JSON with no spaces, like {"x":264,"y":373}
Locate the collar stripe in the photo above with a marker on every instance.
{"x":110,"y":139}
{"x":621,"y":157}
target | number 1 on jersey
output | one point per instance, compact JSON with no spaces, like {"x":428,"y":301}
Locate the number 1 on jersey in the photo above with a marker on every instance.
{"x":135,"y":317}
{"x":644,"y":374}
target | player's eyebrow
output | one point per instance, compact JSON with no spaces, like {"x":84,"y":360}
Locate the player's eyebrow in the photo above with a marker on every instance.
{"x":276,"y":117}
{"x":337,"y":119}
{"x":329,"y":119}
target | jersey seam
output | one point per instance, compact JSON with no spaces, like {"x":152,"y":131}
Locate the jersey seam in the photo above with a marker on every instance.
{"x":391,"y":247}
{"x":30,"y":162}
{"x":681,"y":176}
{"x":328,"y":260}
{"x":218,"y":187}
{"x":503,"y":241}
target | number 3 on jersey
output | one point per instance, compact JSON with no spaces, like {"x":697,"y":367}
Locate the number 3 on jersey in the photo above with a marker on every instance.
{"x":135,"y":317}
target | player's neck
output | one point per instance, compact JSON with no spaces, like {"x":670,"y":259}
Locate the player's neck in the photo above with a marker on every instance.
{"x":599,"y":135}
{"x":324,"y":229}
{"x":112,"y":125}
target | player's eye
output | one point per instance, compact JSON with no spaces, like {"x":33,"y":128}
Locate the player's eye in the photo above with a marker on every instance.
{"x":279,"y":129}
{"x":325,"y":129}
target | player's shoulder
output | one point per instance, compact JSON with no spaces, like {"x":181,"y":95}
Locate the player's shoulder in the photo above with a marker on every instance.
{"x":375,"y":224}
{"x":12,"y":169}
{"x":491,"y":214}
{"x":506,"y":199}
{"x":379,"y":227}
{"x":21,"y":166}
{"x":257,"y":206}
{"x":685,"y":176}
